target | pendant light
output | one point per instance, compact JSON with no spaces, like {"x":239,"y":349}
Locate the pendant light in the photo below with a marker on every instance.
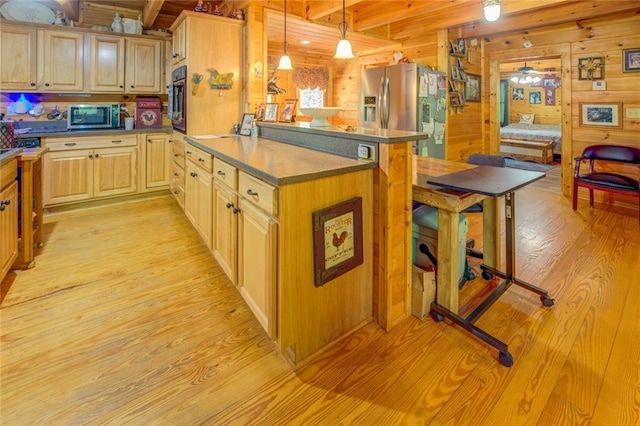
{"x":343,"y":49}
{"x":491,"y":10}
{"x":285,"y":60}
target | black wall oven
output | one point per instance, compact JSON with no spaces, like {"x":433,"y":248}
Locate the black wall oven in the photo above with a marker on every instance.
{"x":178,"y":100}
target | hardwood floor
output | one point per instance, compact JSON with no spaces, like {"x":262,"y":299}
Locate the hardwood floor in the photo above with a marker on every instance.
{"x":127,"y":319}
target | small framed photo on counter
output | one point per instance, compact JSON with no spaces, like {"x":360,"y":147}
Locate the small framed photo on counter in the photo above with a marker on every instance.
{"x":288,"y":110}
{"x":247,"y":122}
{"x":271,"y":112}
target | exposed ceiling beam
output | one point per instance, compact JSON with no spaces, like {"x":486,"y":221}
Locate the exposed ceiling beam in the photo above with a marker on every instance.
{"x":150,"y":12}
{"x":314,"y":10}
{"x":369,"y":15}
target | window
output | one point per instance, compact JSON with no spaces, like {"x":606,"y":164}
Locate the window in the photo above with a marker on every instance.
{"x":311,"y":97}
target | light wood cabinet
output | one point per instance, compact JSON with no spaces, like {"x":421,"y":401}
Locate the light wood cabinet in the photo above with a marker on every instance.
{"x":41,"y":60}
{"x":89,"y":168}
{"x":60,"y":61}
{"x":257,"y":268}
{"x":8,"y":216}
{"x":225,"y":227}
{"x":155,"y":151}
{"x":179,"y":43}
{"x":199,"y":192}
{"x":177,"y":169}
{"x":202,"y":42}
{"x":18,"y":69}
{"x":143,"y":66}
{"x":121,"y":64}
{"x":106,"y":63}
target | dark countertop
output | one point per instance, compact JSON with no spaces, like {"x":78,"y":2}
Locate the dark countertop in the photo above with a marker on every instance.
{"x":361,"y":134}
{"x":93,"y":132}
{"x":275,"y":162}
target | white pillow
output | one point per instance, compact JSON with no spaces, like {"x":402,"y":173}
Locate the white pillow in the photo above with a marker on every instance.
{"x":527,"y":118}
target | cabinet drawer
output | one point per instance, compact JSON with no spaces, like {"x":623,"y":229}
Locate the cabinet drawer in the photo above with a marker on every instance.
{"x":259,"y":193}
{"x":199,"y":157}
{"x":177,"y":173}
{"x":89,"y":142}
{"x":226,"y":173}
{"x":177,"y":151}
{"x":178,"y":192}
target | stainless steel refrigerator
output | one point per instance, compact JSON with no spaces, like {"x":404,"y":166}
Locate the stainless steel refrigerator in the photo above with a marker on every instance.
{"x":406,"y":97}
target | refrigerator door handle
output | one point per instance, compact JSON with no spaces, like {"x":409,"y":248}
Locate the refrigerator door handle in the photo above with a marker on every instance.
{"x":385,"y":102}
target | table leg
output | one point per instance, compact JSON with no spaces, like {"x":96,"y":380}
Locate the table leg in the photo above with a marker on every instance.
{"x":448,"y":260}
{"x":491,"y":232}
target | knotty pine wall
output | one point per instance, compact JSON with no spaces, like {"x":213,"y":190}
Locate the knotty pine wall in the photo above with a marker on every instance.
{"x":544,"y":114}
{"x":603,"y":37}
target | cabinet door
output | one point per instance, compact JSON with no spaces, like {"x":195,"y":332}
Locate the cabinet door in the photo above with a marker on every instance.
{"x":225,"y":228}
{"x":144,"y":66}
{"x":8,"y":227}
{"x":68,"y":176}
{"x":180,"y":43}
{"x":157,"y":161}
{"x":106,"y":63}
{"x":199,"y":200}
{"x":62,"y":61}
{"x":19,"y":58}
{"x":257,"y":238}
{"x":114,"y":171}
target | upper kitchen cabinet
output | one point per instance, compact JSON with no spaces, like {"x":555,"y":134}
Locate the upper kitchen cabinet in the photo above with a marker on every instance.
{"x":18,"y":43}
{"x":41,"y":60}
{"x":125,"y":64}
{"x":211,"y":46}
{"x":60,"y":61}
{"x":179,"y":42}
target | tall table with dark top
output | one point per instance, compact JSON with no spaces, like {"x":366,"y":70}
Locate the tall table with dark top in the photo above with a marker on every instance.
{"x":492,"y":182}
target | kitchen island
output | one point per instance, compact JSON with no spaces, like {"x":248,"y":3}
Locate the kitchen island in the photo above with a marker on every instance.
{"x":265,"y":194}
{"x":392,"y":152}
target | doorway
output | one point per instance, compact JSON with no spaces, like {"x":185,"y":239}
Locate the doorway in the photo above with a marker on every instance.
{"x":560,"y":55}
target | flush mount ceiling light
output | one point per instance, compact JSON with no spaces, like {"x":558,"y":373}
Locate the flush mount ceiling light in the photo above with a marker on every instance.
{"x":524,"y":75}
{"x":491,"y":10}
{"x":285,"y":60}
{"x":343,"y":49}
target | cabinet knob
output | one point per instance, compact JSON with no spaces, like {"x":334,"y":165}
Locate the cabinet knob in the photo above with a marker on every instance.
{"x":96,"y":156}
{"x":229,"y":205}
{"x":90,"y":155}
{"x":221,"y":173}
{"x":175,"y":174}
{"x":175,"y":55}
{"x":5,"y":203}
{"x":122,"y":86}
{"x":193,"y":174}
{"x":252,"y":192}
{"x":46,"y":84}
{"x":132,"y":86}
{"x":236,"y":210}
{"x":32,"y":84}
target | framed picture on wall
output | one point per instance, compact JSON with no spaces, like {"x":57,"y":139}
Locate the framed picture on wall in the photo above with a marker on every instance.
{"x":600,"y":114}
{"x":535,"y":97}
{"x":550,"y":96}
{"x":517,"y":94}
{"x":631,"y":60}
{"x":473,"y":88}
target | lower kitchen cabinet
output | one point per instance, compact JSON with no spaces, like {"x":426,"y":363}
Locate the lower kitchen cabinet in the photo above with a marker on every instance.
{"x":156,"y":157}
{"x":257,"y":277}
{"x":199,"y":191}
{"x":225,"y":245}
{"x":8,"y":216}
{"x":177,"y":181}
{"x":84,"y":174}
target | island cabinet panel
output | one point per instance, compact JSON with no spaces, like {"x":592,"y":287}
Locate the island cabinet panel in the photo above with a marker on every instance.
{"x":8,"y":215}
{"x":311,"y":317}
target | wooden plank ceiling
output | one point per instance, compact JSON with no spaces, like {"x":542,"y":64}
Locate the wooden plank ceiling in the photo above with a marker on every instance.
{"x":373,"y":25}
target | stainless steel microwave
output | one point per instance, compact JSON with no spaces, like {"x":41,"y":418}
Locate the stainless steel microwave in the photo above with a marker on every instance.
{"x":93,"y":116}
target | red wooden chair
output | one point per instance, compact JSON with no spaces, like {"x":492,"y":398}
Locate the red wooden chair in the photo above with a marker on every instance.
{"x":608,"y":181}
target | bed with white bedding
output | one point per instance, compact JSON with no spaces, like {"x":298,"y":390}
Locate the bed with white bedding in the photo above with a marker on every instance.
{"x":534,"y":132}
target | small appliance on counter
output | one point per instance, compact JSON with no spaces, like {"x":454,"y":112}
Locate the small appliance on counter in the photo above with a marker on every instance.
{"x":148,"y":113}
{"x":93,"y":117}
